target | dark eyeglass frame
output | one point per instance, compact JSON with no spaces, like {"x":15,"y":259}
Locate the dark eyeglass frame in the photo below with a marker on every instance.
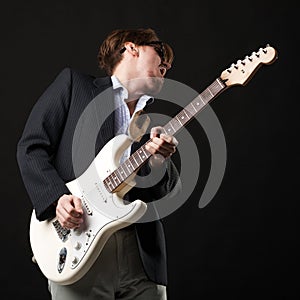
{"x":160,"y":49}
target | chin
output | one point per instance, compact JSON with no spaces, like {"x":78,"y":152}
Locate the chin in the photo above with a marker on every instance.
{"x":154,"y":85}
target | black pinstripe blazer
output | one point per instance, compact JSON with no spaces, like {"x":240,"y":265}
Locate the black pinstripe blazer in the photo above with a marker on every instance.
{"x":44,"y":155}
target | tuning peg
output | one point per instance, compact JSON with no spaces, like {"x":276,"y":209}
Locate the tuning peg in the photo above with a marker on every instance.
{"x":254,"y":53}
{"x":240,"y":62}
{"x":249,"y":58}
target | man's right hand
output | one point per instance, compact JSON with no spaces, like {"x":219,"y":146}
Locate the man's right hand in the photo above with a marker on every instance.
{"x":69,"y":211}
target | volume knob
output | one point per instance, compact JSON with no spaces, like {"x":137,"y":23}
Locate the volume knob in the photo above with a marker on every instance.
{"x":74,"y":260}
{"x":77,"y":246}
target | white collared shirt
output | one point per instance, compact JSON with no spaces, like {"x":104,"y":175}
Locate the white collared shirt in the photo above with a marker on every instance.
{"x":122,"y":114}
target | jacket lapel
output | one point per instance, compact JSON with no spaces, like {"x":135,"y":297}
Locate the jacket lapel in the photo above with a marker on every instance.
{"x":104,"y":106}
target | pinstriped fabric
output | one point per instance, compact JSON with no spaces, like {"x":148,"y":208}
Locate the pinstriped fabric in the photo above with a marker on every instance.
{"x":44,"y":151}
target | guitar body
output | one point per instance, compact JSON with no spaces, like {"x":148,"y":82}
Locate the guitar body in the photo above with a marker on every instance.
{"x":64,"y":256}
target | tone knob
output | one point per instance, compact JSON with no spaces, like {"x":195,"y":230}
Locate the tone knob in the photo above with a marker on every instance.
{"x":77,"y":246}
{"x":74,"y":260}
{"x":77,"y":231}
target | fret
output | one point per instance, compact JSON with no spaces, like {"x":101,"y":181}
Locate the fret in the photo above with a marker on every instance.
{"x":169,"y":129}
{"x":133,"y":162}
{"x":191,"y":109}
{"x":187,"y":113}
{"x":128,"y":166}
{"x":202,"y":100}
{"x":119,"y":173}
{"x":140,"y":156}
{"x":143,"y":155}
{"x":137,"y":158}
{"x":122,"y":171}
{"x":216,"y":87}
{"x":115,"y":178}
{"x":206,"y":96}
{"x":111,"y":182}
{"x":178,"y":119}
{"x":197,"y":105}
{"x":220,"y":84}
{"x":194,"y":107}
{"x":182,"y":117}
{"x":164,"y":130}
{"x":107,"y":182}
{"x":208,"y":89}
{"x":172,"y":125}
{"x":124,"y":168}
{"x":175,"y":124}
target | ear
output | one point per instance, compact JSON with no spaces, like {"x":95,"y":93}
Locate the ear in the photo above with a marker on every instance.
{"x":131,"y":48}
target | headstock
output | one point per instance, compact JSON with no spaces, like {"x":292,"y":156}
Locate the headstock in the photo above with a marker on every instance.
{"x":243,"y":70}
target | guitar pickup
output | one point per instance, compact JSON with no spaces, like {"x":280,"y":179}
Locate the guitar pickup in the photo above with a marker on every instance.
{"x":86,"y":206}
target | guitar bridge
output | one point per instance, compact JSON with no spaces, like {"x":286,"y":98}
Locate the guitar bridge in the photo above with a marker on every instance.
{"x":61,"y":231}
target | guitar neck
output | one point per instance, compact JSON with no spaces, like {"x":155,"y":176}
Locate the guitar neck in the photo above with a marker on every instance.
{"x":193,"y":108}
{"x":141,"y":155}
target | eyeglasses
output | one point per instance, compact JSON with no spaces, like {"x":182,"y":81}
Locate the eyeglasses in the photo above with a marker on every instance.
{"x":160,"y":49}
{"x":157,"y":45}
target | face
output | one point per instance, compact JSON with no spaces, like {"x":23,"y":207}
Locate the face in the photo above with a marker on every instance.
{"x":150,"y":69}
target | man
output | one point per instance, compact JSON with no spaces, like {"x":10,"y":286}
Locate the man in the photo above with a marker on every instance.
{"x":132,"y":264}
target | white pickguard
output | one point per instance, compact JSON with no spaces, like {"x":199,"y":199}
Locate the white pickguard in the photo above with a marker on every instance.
{"x":104,"y":213}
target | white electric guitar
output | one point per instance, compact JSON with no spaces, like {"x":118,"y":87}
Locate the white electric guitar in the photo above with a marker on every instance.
{"x":63,"y":255}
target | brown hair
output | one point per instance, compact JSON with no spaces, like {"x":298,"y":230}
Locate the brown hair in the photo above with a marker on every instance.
{"x":109,"y":54}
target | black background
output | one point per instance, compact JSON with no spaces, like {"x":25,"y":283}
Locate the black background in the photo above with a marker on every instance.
{"x":244,"y":243}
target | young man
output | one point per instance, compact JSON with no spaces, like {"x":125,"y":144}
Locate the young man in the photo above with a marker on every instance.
{"x":132,"y":264}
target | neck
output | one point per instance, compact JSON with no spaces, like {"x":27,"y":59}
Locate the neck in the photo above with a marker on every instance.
{"x":132,"y":86}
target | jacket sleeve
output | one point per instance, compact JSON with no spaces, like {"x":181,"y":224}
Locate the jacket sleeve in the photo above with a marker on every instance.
{"x":38,"y":143}
{"x":154,"y":183}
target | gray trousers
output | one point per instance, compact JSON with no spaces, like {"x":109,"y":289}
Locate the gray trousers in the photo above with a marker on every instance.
{"x":116,"y":274}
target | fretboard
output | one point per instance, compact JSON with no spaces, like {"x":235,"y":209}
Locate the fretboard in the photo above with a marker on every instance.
{"x":141,"y":155}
